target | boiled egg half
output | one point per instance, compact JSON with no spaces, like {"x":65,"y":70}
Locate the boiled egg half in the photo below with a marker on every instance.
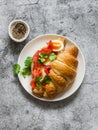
{"x":57,"y":45}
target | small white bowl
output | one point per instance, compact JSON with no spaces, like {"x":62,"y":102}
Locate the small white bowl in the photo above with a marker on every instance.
{"x":12,"y":24}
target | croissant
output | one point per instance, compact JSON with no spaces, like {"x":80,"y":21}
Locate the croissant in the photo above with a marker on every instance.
{"x":63,"y":71}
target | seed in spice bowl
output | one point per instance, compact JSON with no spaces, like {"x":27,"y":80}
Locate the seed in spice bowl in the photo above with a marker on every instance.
{"x":18,"y":30}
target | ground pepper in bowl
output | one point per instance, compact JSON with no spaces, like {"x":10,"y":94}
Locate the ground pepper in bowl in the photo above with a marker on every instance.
{"x":19,"y":30}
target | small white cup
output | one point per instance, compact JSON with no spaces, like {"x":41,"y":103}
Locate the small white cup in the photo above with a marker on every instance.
{"x":12,"y":24}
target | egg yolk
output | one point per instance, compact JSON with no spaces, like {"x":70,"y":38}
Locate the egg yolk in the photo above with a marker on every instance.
{"x":56,"y":45}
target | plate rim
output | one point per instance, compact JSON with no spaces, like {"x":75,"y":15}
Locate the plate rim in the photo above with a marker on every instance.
{"x":52,"y":100}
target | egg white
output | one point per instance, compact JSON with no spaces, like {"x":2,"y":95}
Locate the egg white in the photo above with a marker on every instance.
{"x":61,"y":43}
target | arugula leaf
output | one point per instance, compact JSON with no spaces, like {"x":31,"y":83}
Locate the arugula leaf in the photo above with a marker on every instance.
{"x":28,"y":62}
{"x":46,"y":79}
{"x":16,"y":68}
{"x":52,"y":56}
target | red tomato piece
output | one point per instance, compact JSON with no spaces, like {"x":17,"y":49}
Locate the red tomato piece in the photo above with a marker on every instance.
{"x":33,"y":84}
{"x":36,"y":56}
{"x":45,"y":50}
{"x":47,"y":69}
{"x":37,"y":70}
{"x":50,"y":45}
{"x":43,"y":84}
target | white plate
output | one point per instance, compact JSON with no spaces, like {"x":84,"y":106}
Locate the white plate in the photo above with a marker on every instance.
{"x":37,"y":44}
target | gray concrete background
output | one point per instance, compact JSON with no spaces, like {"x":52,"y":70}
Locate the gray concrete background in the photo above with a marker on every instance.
{"x":77,"y":19}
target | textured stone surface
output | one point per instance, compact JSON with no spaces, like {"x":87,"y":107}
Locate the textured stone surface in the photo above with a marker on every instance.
{"x":77,"y":19}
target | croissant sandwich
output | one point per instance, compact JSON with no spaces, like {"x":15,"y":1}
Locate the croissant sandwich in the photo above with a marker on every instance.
{"x":62,"y":72}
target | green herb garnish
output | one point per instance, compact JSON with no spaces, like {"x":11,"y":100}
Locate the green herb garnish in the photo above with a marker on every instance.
{"x":28,"y":62}
{"x":52,"y":56}
{"x":16,"y":68}
{"x":27,"y":67}
{"x":39,"y":85}
{"x":46,"y":79}
{"x":38,"y":82}
{"x":42,"y":57}
{"x":38,"y":79}
{"x":26,"y":71}
{"x":41,"y":60}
